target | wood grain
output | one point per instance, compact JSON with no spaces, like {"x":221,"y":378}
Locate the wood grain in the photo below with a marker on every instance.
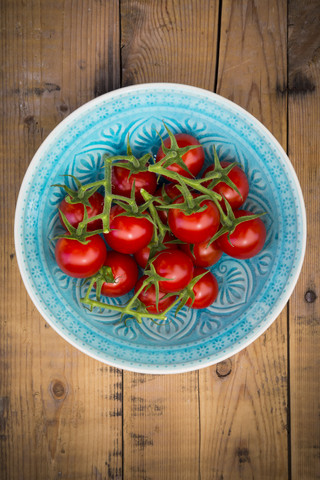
{"x":165,"y":42}
{"x":243,"y":402}
{"x":304,"y":151}
{"x":171,"y":41}
{"x":60,"y":411}
{"x":161,"y":426}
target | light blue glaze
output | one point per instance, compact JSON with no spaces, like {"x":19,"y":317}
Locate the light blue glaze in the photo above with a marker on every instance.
{"x":252,"y":293}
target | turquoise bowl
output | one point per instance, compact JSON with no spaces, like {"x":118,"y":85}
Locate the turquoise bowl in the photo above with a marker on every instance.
{"x":252,"y":293}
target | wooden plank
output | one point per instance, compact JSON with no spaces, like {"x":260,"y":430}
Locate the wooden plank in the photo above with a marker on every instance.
{"x":60,"y":411}
{"x":304,"y":151}
{"x":243,"y":401}
{"x":168,"y":42}
{"x":172,"y":41}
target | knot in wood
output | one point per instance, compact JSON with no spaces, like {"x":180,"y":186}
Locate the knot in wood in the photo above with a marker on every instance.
{"x":224,"y":368}
{"x":310,"y":296}
{"x":58,"y":390}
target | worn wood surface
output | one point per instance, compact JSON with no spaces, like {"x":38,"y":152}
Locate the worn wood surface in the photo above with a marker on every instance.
{"x":167,"y":422}
{"x":65,"y":415}
{"x":304,"y":323}
{"x":60,"y":411}
{"x":243,"y":403}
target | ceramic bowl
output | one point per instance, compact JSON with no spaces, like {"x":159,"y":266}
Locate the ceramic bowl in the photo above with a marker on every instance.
{"x":252,"y":293}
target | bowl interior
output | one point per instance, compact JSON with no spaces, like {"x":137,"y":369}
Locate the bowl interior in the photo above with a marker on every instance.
{"x":251,"y":292}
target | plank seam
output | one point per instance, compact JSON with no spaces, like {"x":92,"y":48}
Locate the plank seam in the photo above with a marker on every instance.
{"x":288,"y":305}
{"x":218,"y":46}
{"x":120,"y":45}
{"x":199,"y":416}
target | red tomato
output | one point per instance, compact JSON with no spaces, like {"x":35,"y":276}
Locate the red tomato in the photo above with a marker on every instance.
{"x":203,"y":255}
{"x":195,"y":228}
{"x":247,"y":240}
{"x":176,"y":266}
{"x":128,"y":234}
{"x":142,"y":256}
{"x":122,"y":182}
{"x":194,"y":159}
{"x":162,"y":213}
{"x":205,"y":290}
{"x":173,"y":192}
{"x":239,"y":178}
{"x":148,"y":297}
{"x":125,"y":273}
{"x":79,"y":260}
{"x":74,"y":212}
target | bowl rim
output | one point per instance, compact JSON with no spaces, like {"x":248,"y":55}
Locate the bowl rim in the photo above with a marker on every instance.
{"x":122,"y":364}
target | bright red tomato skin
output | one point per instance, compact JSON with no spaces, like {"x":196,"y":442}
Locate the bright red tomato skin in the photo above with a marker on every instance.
{"x":172,"y":191}
{"x":205,"y":290}
{"x":74,"y":212}
{"x":198,"y":227}
{"x":142,"y":256}
{"x":203,"y":255}
{"x":148,"y":297}
{"x":176,"y":266}
{"x":125,"y":272}
{"x":194,"y":159}
{"x":122,"y":183}
{"x":239,"y":178}
{"x":247,"y":240}
{"x":128,"y":234}
{"x":80,"y":260}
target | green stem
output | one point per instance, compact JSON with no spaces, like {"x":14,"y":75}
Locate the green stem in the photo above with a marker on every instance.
{"x":183,"y":181}
{"x":154,"y":214}
{"x":144,"y":284}
{"x":177,"y":300}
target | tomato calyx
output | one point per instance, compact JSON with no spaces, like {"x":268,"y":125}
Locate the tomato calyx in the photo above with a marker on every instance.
{"x":72,"y":231}
{"x":80,"y":195}
{"x":174,"y":154}
{"x":191,"y":204}
{"x":186,"y":294}
{"x":182,"y":185}
{"x":220,"y":174}
{"x":229,"y":222}
{"x":130,"y":162}
{"x":104,"y":275}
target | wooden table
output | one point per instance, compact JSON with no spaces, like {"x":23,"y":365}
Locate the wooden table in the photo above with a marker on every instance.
{"x":64,"y":415}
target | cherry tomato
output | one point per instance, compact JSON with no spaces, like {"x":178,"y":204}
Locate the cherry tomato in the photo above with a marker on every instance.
{"x":205,"y":290}
{"x":80,"y":260}
{"x":74,"y":212}
{"x":195,"y":228}
{"x":122,"y":182}
{"x":176,"y":266}
{"x":128,"y":234}
{"x":239,"y":178}
{"x":194,"y":159}
{"x":142,"y":255}
{"x":148,"y":297}
{"x":125,"y":273}
{"x":173,"y":192}
{"x":247,"y":240}
{"x":203,"y":255}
